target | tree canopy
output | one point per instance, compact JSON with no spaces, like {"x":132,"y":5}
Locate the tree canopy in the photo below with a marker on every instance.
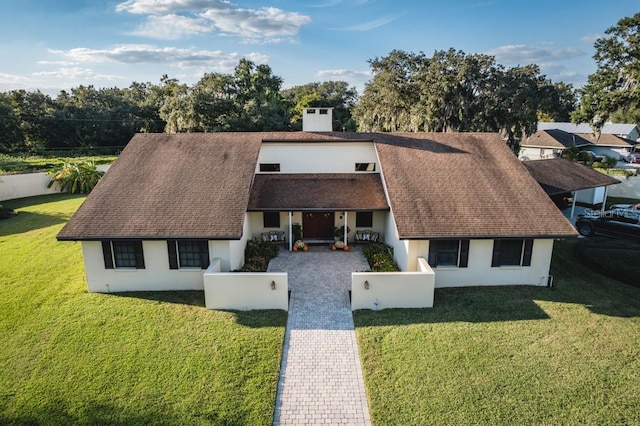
{"x":453,"y":91}
{"x":613,"y":91}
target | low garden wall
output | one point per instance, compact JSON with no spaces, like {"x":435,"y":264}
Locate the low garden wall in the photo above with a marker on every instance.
{"x":382,"y":290}
{"x":243,"y":291}
{"x":30,"y":184}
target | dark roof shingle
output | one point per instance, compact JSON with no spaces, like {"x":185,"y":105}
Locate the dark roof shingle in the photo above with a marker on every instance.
{"x":334,"y":191}
{"x":558,"y":175}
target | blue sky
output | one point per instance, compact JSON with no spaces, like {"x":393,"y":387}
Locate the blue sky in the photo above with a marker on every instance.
{"x":51,"y":45}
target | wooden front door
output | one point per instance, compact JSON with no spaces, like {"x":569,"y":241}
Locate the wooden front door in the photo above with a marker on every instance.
{"x":317,"y":225}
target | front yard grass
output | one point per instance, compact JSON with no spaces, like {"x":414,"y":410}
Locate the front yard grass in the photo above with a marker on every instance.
{"x":70,"y":357}
{"x":509,"y":355}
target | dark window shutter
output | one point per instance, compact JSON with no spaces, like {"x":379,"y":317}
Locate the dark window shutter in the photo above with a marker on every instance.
{"x":433,"y":254}
{"x":107,"y":255}
{"x":139,"y":255}
{"x":204,"y":254}
{"x":528,"y":252}
{"x":173,"y":254}
{"x":464,"y":254}
{"x":495,"y":259}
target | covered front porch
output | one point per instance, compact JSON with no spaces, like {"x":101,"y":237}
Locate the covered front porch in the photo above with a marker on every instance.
{"x":316,"y":208}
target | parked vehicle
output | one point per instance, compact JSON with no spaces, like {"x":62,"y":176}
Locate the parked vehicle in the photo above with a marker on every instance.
{"x":562,"y":200}
{"x":635,"y":207}
{"x":632,"y":158}
{"x":614,"y":223}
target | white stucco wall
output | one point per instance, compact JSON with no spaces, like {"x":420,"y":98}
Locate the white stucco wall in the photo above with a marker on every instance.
{"x":590,"y":195}
{"x":480,"y":273}
{"x":30,"y":185}
{"x":244,"y":291}
{"x":155,"y":277}
{"x":393,"y":289}
{"x":325,"y":157}
{"x":236,"y":247}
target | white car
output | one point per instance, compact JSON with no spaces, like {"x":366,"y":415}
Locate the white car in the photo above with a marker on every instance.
{"x":633,"y":207}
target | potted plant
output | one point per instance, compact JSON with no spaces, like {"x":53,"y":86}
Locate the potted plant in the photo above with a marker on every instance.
{"x":296,"y":229}
{"x":338,"y":232}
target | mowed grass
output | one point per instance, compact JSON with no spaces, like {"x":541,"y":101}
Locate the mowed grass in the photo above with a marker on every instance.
{"x":70,"y":357}
{"x":509,"y":355}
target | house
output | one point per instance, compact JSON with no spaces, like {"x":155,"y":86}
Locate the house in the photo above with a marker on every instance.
{"x":550,"y":144}
{"x":615,"y":140}
{"x":172,"y":203}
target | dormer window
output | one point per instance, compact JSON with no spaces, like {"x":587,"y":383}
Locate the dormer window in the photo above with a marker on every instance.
{"x":269,"y":167}
{"x":324,"y":111}
{"x":311,"y":111}
{"x":365,"y":167}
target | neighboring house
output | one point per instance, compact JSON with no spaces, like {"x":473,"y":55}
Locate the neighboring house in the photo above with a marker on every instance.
{"x":615,"y":140}
{"x":550,"y":144}
{"x":626,"y":131}
{"x":172,"y":203}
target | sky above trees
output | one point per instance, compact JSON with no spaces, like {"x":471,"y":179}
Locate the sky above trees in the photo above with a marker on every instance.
{"x":52,"y":45}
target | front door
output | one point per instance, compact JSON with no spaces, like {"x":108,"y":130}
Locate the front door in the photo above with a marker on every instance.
{"x":317,"y":225}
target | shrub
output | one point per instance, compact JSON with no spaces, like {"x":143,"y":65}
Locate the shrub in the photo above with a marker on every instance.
{"x":257,"y":255}
{"x":76,"y":178}
{"x":380,"y":257}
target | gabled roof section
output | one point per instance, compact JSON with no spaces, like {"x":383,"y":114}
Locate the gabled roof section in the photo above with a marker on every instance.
{"x":606,"y":140}
{"x":335,"y":191}
{"x":463,"y":185}
{"x":193,"y":185}
{"x":558,"y":175}
{"x":554,"y":138}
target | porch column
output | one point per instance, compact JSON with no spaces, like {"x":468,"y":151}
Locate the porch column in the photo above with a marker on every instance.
{"x":345,"y":227}
{"x":573,"y":203}
{"x":290,"y":233}
{"x":604,"y":202}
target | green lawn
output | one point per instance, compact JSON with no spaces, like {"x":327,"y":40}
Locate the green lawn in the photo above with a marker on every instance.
{"x":70,"y":357}
{"x":509,"y":355}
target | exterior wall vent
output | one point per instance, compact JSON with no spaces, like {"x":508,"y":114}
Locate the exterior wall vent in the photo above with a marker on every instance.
{"x":317,"y":119}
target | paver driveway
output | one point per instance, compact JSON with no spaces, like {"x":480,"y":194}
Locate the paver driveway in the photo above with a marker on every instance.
{"x":321,"y":377}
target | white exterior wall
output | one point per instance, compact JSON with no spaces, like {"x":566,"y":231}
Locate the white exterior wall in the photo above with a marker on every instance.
{"x":155,"y":277}
{"x":244,"y":290}
{"x":317,"y":122}
{"x":30,"y":185}
{"x":324,"y":157}
{"x":480,"y":273}
{"x":236,"y":247}
{"x":533,"y":153}
{"x":393,"y":289}
{"x":590,"y":195}
{"x":401,"y":249}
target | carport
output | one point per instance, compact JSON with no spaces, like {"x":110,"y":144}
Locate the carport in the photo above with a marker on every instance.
{"x":559,"y":175}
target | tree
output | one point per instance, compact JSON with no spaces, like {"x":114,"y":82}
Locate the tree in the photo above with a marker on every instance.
{"x":332,"y":94}
{"x":615,"y":86}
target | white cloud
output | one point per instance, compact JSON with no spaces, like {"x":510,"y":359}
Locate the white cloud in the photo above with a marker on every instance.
{"x":167,"y":20}
{"x":590,"y":38}
{"x":367,"y":26}
{"x":12,"y":79}
{"x":354,"y":78}
{"x":522,"y":54}
{"x":172,"y":27}
{"x":75,"y":73}
{"x":214,"y":60}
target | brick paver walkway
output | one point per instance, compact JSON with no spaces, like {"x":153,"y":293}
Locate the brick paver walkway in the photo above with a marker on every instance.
{"x":320,"y":377}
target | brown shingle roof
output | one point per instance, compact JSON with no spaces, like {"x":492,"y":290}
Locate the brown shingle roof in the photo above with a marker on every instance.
{"x":608,"y":140}
{"x":554,"y":139}
{"x":466,"y":185}
{"x":440,"y":185}
{"x":335,"y":191}
{"x":172,"y":186}
{"x":560,"y":175}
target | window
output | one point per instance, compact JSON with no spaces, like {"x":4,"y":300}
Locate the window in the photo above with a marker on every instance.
{"x":365,"y":167}
{"x":364,"y":219}
{"x":188,"y":254}
{"x":123,"y":254}
{"x":323,"y":111}
{"x":449,"y":253}
{"x":271,"y":219}
{"x":512,"y":253}
{"x":269,"y":167}
{"x":311,"y":111}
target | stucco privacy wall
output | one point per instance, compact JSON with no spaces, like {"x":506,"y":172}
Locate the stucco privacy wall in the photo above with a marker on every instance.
{"x":30,"y":184}
{"x":393,"y":289}
{"x":245,"y":291}
{"x":479,"y":271}
{"x":317,"y":157}
{"x":155,"y":277}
